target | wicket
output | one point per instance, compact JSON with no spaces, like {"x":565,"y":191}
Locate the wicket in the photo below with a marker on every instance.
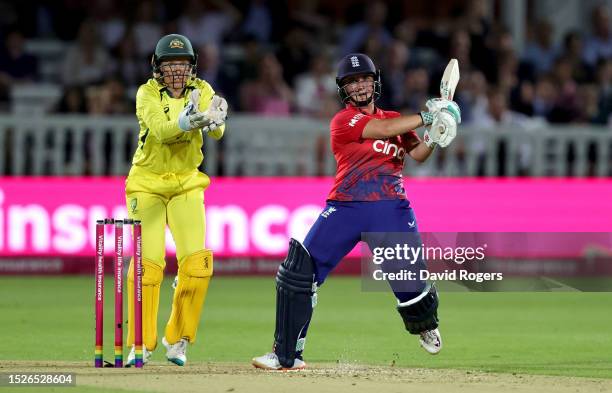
{"x":118,"y":290}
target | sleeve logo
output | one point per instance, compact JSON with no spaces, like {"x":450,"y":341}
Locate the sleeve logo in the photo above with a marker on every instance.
{"x":355,"y":119}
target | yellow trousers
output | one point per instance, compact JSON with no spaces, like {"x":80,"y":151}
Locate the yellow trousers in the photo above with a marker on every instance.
{"x":176,"y":201}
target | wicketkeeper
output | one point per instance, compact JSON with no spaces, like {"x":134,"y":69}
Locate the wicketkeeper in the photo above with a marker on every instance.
{"x":175,"y":111}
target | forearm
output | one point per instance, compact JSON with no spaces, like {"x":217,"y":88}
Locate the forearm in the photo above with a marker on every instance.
{"x":163,"y":129}
{"x":150,"y":111}
{"x":421,"y":152}
{"x":386,"y":128}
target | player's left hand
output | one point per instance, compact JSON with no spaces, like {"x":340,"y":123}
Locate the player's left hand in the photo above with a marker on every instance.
{"x":443,"y":130}
{"x":216,"y":113}
{"x":436,"y":105}
{"x":217,"y":110}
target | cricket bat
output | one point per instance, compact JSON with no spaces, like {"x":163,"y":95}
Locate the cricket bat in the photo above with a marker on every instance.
{"x":450,"y":79}
{"x":448,"y":84}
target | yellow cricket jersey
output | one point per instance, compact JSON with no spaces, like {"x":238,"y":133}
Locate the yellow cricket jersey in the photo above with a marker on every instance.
{"x":163,"y":147}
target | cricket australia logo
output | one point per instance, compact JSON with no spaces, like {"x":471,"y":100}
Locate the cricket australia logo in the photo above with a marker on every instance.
{"x":176,"y":43}
{"x":328,"y":212}
{"x":355,"y":61}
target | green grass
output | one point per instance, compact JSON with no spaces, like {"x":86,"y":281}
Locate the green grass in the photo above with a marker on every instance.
{"x":567,"y":333}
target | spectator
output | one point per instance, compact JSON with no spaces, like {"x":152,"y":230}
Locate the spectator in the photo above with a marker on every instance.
{"x":416,"y":90}
{"x":209,"y":65}
{"x":507,"y":72}
{"x":355,"y":36}
{"x":109,"y":22}
{"x":405,"y":32}
{"x":566,"y":103}
{"x":572,"y":52}
{"x":258,"y":21}
{"x":251,"y":57}
{"x":472,"y":96}
{"x":315,"y":90}
{"x":72,"y":101}
{"x":118,"y":102}
{"x":86,"y":61}
{"x":460,"y":48}
{"x":604,"y":100}
{"x":476,"y":22}
{"x":310,"y":15}
{"x":227,"y":77}
{"x":295,"y":53}
{"x":15,"y":63}
{"x":208,"y":21}
{"x":146,"y":26}
{"x":108,"y":99}
{"x":374,"y":48}
{"x":393,"y":75}
{"x":126,"y":64}
{"x":498,"y":42}
{"x":499,"y":115}
{"x":269,"y":94}
{"x":16,"y":66}
{"x":588,"y":96}
{"x":544,"y":97}
{"x":540,"y":51}
{"x":599,"y":45}
{"x":521,"y":98}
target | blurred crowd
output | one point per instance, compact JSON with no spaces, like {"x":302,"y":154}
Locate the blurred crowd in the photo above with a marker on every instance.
{"x":278,"y":58}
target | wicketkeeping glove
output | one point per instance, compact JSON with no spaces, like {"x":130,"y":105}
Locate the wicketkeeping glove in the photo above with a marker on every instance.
{"x":191,"y":118}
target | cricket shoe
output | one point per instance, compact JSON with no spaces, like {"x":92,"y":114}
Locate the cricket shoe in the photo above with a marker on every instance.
{"x":270,"y":361}
{"x":176,"y":353}
{"x":131,"y":359}
{"x":431,"y":341}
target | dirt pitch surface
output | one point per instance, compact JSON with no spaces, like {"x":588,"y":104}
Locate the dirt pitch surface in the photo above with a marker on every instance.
{"x":322,"y":378}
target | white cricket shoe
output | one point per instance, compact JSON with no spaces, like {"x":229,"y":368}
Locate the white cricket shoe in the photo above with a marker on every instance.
{"x":269,"y":361}
{"x":131,"y":359}
{"x":431,"y":341}
{"x":176,"y":353}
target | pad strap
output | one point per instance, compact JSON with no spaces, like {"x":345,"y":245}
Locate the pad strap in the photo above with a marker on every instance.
{"x":421,"y":313}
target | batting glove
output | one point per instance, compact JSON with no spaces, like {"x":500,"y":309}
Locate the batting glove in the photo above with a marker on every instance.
{"x":443,"y":130}
{"x":436,"y":105}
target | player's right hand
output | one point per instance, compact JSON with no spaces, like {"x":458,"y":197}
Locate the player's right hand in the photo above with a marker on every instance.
{"x":443,"y":130}
{"x":209,"y":120}
{"x":217,"y":110}
{"x":188,"y":121}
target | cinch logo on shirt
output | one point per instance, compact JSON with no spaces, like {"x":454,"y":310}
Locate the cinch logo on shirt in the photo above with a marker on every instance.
{"x":390,"y":149}
{"x":355,"y":119}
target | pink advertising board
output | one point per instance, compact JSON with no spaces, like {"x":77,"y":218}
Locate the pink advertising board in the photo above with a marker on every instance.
{"x":256,"y":216}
